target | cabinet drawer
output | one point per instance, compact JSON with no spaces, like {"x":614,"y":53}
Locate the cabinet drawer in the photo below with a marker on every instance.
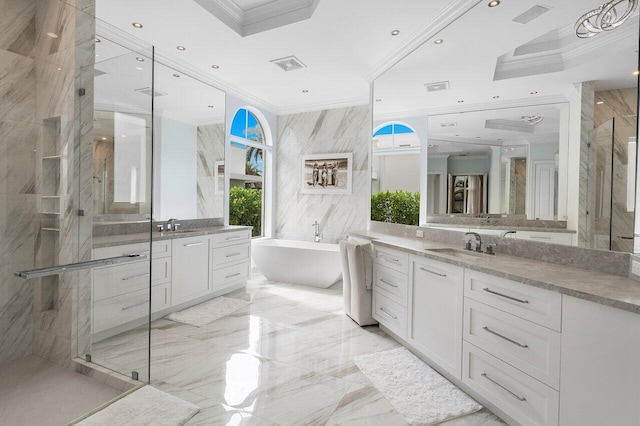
{"x":534,"y":304}
{"x":390,"y":314}
{"x":224,"y":276}
{"x":527,"y":346}
{"x":228,"y":238}
{"x":391,"y":282}
{"x":117,"y":280}
{"x":230,"y":254}
{"x":160,"y":297}
{"x":394,"y":259}
{"x":160,"y":249}
{"x":528,"y":401}
{"x":190,"y":269}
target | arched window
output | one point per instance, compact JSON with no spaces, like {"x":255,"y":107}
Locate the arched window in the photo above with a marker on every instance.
{"x":394,"y":135}
{"x":250,"y":154}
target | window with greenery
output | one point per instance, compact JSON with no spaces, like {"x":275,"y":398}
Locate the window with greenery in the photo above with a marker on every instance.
{"x":248,"y":157}
{"x":396,"y":207}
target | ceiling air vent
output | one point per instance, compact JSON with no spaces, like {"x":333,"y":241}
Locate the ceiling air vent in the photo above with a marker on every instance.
{"x":289,"y":63}
{"x":531,"y":14}
{"x":147,"y":91}
{"x":436,"y":87}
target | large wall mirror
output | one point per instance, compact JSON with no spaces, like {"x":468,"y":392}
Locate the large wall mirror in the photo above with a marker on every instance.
{"x":188,"y":134}
{"x":506,"y":120}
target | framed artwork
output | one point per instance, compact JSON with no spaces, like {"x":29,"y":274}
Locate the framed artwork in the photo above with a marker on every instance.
{"x":326,"y":173}
{"x":219,"y":176}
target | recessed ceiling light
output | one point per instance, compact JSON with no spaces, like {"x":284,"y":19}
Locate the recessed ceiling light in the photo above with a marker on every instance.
{"x":636,"y":72}
{"x":534,"y":92}
{"x":395,"y":32}
{"x":494,"y":3}
{"x":460,"y":101}
{"x":181,"y":48}
{"x":176,"y":75}
{"x":215,"y":67}
{"x":59,"y":69}
{"x":210,"y":106}
{"x":378,"y":100}
{"x":139,"y":68}
{"x":97,"y":40}
{"x":305,"y":91}
{"x":137,"y":24}
{"x":438,"y":41}
{"x":123,"y":136}
{"x":600,"y":102}
{"x":52,"y":35}
{"x":140,"y":59}
{"x":496,"y":97}
{"x":103,"y":138}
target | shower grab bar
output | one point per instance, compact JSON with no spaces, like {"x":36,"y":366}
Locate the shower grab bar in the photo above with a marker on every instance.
{"x":70,"y":267}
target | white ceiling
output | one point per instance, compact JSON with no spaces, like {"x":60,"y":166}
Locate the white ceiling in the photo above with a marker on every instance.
{"x":341,"y":44}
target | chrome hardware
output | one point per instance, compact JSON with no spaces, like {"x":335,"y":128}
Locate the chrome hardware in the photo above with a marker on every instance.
{"x":175,"y":226}
{"x":233,"y":254}
{"x":194,"y":244}
{"x":135,"y":276}
{"x":478,"y":246}
{"x":487,"y":329}
{"x":160,"y":227}
{"x":382,"y":280}
{"x":171,"y":225}
{"x":388,"y":314}
{"x":233,"y":275}
{"x":317,"y":236}
{"x":390,"y":259}
{"x":489,"y":248}
{"x":504,"y":295}
{"x":505,"y":233}
{"x":134,"y":375}
{"x":519,"y":398}
{"x":137,"y":253}
{"x":71,"y":267}
{"x":126,"y":308}
{"x":432,"y":272}
{"x":232,"y":238}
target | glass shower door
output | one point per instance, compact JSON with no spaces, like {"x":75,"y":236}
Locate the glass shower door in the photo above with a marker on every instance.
{"x":600,"y":181}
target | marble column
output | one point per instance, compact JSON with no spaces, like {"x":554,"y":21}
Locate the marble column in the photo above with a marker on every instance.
{"x":587,"y":103}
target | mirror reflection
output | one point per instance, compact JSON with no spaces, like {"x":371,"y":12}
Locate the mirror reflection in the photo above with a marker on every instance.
{"x":533,"y":133}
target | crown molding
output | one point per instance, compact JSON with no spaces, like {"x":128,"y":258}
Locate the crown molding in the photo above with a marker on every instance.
{"x":323,"y":106}
{"x":442,"y":20}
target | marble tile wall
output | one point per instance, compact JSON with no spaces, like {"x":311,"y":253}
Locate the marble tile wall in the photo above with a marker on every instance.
{"x":37,"y":118}
{"x":587,"y":100}
{"x":340,"y":130}
{"x":622,"y":105}
{"x":210,"y":150}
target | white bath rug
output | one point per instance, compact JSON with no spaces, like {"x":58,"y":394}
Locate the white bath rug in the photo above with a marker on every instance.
{"x":146,"y":406}
{"x":415,"y":390}
{"x":209,"y":311}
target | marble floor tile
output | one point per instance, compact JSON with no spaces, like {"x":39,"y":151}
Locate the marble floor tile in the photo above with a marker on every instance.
{"x":285,"y":359}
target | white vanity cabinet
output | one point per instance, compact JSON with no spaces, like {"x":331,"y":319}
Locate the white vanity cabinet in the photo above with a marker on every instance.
{"x":190,"y":268}
{"x":512,"y":346}
{"x":435,"y":312}
{"x":230,"y":259}
{"x":390,"y":282}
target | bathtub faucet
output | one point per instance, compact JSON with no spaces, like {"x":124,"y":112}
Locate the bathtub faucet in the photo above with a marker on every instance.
{"x":317,"y":236}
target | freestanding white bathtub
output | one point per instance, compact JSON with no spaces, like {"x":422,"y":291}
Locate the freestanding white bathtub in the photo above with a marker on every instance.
{"x":298,"y":262}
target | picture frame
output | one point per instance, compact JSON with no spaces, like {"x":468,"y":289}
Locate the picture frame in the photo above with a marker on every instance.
{"x":326,"y":173}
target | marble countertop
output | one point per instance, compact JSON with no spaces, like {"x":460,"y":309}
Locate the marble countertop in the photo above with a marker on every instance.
{"x":498,"y":227}
{"x":599,"y":287}
{"x":118,"y":240}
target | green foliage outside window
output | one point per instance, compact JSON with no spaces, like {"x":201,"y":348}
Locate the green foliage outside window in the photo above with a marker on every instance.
{"x":396,"y":207}
{"x":245,"y":208}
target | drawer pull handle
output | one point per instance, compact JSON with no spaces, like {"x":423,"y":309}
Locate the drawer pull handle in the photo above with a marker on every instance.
{"x":390,"y":259}
{"x":519,"y":398}
{"x":488,"y":290}
{"x":233,"y":238}
{"x":233,"y":275}
{"x":138,"y":252}
{"x":382,"y":280}
{"x":233,"y":254}
{"x":126,"y":308}
{"x":488,"y":330}
{"x":388,"y":314}
{"x":194,"y":244}
{"x":135,"y":276}
{"x":432,"y":272}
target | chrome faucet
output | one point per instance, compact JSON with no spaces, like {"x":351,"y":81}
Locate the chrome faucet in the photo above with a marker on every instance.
{"x":478,"y":246}
{"x":172,"y":225}
{"x":317,"y":236}
{"x":505,"y":233}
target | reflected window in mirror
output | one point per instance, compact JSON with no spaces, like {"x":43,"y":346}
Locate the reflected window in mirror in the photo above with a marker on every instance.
{"x":395,"y":183}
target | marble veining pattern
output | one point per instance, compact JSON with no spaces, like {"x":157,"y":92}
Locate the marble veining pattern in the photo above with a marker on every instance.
{"x":210,"y":150}
{"x":285,"y":359}
{"x":330,"y":131}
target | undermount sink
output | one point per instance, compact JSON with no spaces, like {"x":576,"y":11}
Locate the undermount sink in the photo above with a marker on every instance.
{"x":459,"y":253}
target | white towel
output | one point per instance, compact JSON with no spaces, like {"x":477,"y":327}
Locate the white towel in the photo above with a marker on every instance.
{"x":361,"y":277}
{"x":346,"y":280}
